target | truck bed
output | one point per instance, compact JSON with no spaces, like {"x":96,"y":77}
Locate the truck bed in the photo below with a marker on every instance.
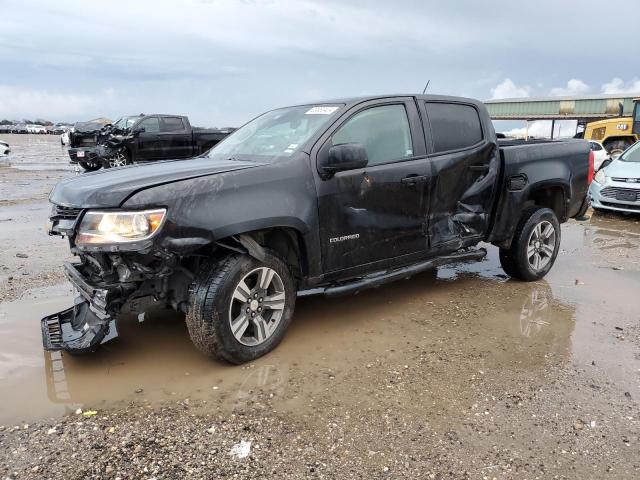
{"x":539,"y":166}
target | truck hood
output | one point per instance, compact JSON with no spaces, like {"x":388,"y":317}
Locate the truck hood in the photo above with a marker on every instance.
{"x":620,"y":169}
{"x":110,"y":188}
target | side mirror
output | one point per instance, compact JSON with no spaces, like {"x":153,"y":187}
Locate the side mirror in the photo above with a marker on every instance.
{"x":137,"y":130}
{"x":346,"y":156}
{"x":605,"y":163}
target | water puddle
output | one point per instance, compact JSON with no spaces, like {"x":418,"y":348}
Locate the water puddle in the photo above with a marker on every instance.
{"x":467,"y":319}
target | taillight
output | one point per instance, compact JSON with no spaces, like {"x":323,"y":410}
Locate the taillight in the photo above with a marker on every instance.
{"x":590,"y":175}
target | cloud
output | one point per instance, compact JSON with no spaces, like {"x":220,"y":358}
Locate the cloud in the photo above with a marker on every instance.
{"x":223,"y":61}
{"x":19,"y":103}
{"x":508,"y":89}
{"x":617,"y":85}
{"x":574,"y":87}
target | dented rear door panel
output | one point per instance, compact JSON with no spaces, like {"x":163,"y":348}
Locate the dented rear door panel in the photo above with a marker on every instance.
{"x":462,"y":188}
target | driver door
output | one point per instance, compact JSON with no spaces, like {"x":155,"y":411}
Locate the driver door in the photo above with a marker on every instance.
{"x":377,"y":213}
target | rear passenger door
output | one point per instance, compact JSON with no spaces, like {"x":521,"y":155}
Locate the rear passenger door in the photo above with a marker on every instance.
{"x":174,"y":138}
{"x":463,"y":162}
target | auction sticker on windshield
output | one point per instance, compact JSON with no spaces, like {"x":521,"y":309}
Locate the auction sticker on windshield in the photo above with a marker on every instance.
{"x":321,"y":110}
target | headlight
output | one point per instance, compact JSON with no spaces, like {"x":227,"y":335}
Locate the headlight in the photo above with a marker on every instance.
{"x":99,"y":228}
{"x":600,"y":177}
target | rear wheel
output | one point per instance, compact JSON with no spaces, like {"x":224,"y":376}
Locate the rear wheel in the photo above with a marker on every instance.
{"x":534,"y":247}
{"x":239,"y":307}
{"x":120,"y":159}
{"x":90,"y":167}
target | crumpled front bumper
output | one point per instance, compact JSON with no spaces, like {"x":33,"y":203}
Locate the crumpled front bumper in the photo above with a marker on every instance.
{"x":77,"y":329}
{"x":81,"y":328}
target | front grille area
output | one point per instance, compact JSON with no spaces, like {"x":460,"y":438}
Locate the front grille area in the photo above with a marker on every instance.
{"x":613,"y":192}
{"x":58,"y":212}
{"x":621,"y":205}
{"x":625,"y":180}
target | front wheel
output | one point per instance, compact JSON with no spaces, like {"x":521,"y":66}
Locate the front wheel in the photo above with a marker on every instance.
{"x":239,"y":307}
{"x":534,"y":247}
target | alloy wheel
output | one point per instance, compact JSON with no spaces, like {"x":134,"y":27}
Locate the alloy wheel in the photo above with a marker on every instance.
{"x":541,"y":245}
{"x":257,"y":306}
{"x":119,"y":160}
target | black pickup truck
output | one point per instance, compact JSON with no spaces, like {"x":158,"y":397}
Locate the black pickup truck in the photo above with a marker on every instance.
{"x":330,"y":198}
{"x":140,"y":138}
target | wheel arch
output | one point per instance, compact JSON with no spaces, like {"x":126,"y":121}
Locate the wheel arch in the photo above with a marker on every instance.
{"x":552,"y":196}
{"x":285,"y":240}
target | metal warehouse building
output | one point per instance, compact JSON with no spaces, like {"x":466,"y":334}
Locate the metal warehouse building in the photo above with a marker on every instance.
{"x":585,"y":108}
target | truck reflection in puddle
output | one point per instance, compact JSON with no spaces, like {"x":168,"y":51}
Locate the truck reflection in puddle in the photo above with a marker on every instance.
{"x":156,"y":356}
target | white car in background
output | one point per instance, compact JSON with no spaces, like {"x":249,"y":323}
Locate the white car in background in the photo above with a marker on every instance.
{"x":64,"y":138}
{"x":4,"y":148}
{"x":617,"y":185}
{"x":36,"y":129}
{"x":599,"y":154}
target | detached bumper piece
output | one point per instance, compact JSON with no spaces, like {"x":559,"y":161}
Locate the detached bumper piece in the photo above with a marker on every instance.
{"x":77,"y":329}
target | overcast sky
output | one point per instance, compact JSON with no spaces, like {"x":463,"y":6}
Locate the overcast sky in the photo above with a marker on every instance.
{"x":223,"y":61}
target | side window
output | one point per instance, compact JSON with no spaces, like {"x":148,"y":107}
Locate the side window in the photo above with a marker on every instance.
{"x":453,"y":126}
{"x":383,"y":131}
{"x":595,"y":147}
{"x":172,"y":124}
{"x":150,"y":124}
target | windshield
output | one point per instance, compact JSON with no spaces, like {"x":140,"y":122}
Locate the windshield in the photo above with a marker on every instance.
{"x":276,"y":133}
{"x":125,"y":122}
{"x":632,"y":154}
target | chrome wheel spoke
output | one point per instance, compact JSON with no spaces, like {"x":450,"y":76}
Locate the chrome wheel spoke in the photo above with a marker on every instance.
{"x":547,"y":231}
{"x":239,"y":325}
{"x":531,"y":249}
{"x":261,"y":328}
{"x":537,"y":260}
{"x":266,"y":276}
{"x":274,"y":302}
{"x":242,"y":292}
{"x":547,"y":250}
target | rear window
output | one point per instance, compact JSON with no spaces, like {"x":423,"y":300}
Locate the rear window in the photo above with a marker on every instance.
{"x":172,"y":124}
{"x":453,"y":126}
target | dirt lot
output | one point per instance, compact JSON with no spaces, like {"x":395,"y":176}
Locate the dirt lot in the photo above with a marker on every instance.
{"x":460,"y":374}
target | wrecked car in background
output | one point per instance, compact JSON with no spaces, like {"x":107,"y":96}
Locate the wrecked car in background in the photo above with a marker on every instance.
{"x":330,"y":198}
{"x":141,"y":138}
{"x":5,"y":149}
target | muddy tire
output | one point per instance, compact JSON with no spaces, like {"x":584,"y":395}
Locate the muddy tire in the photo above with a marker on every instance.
{"x":90,"y":167}
{"x":239,"y":307}
{"x":534,"y":247}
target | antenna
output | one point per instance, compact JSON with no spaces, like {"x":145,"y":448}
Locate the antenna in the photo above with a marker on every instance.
{"x":426,"y":86}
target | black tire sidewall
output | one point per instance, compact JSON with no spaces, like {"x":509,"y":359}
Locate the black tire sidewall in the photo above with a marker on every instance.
{"x":227,"y":346}
{"x":88,"y":167}
{"x":527,"y":272}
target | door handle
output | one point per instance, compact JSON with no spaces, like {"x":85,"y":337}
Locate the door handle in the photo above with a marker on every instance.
{"x":479,"y":168}
{"x":413,"y":179}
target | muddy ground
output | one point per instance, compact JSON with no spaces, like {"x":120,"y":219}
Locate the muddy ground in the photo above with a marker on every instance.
{"x":461,"y":373}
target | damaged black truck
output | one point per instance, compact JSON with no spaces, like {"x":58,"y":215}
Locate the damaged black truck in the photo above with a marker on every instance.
{"x":329,"y":198}
{"x":139,"y":138}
